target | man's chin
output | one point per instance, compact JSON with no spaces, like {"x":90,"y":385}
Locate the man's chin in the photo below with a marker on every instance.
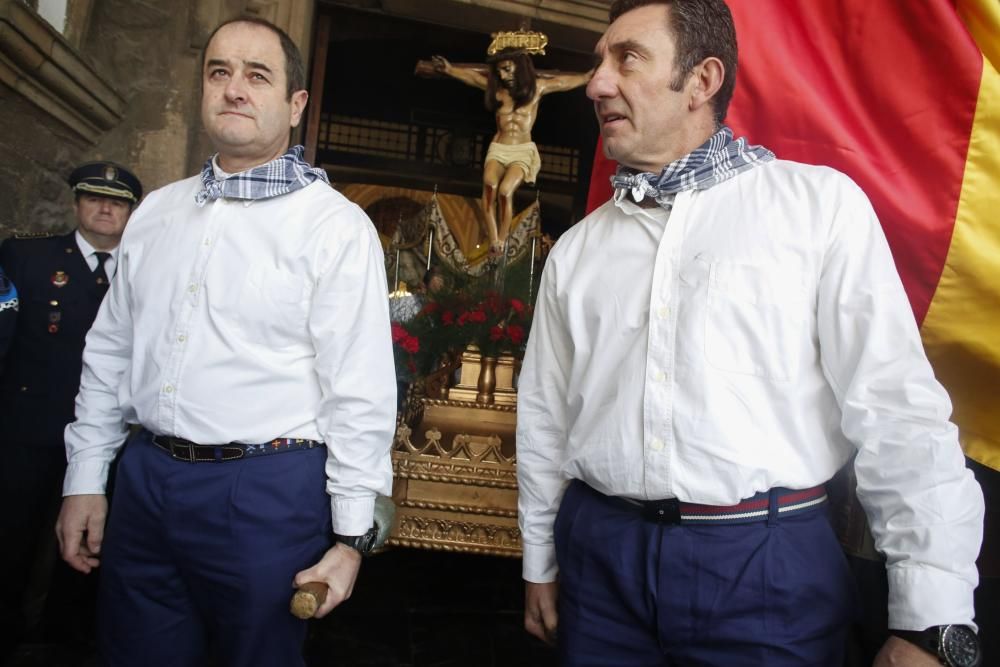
{"x":233,"y":141}
{"x":612,"y":150}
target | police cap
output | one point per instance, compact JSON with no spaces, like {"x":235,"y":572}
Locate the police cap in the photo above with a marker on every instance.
{"x":106,"y":179}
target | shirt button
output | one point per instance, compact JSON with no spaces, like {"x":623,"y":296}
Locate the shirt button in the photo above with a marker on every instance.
{"x":192,"y":288}
{"x":169,"y":389}
{"x":663,"y":312}
{"x":660,"y":376}
{"x":656,"y":445}
{"x":181,"y":338}
{"x":23,"y":389}
{"x":208,"y":241}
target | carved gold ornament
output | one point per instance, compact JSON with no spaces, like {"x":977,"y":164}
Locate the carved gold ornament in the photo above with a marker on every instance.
{"x":530,"y":42}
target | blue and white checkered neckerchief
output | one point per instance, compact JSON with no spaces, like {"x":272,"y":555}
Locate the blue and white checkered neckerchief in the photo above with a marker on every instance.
{"x":280,"y":176}
{"x":715,"y":161}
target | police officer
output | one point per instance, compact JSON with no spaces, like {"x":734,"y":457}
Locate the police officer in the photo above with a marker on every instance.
{"x":60,"y":282}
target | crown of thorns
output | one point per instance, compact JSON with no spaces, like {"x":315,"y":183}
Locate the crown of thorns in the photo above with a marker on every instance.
{"x":523,"y":41}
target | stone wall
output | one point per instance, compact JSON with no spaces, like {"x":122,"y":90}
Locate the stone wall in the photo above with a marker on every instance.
{"x":149,"y":53}
{"x":134,"y":48}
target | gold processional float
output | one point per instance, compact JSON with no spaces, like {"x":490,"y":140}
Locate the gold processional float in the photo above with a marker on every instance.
{"x":453,"y":456}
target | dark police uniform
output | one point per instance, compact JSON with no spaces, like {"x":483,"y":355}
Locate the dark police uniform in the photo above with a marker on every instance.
{"x":59,"y":296}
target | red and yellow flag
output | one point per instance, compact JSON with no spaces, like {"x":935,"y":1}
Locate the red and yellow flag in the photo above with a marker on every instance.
{"x":905,"y":98}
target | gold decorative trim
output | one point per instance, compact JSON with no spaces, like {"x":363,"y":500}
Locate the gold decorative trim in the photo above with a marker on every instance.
{"x":430,"y":472}
{"x":444,"y":402}
{"x":457,"y":535}
{"x":530,"y":42}
{"x":455,"y":488}
{"x":485,"y":511}
{"x":462,"y":463}
{"x":453,"y":548}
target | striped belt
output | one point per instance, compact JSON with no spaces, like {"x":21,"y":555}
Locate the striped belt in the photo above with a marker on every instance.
{"x":750,"y":510}
{"x":185,"y":450}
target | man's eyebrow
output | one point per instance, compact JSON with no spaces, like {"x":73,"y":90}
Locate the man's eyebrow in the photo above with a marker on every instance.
{"x":252,"y":64}
{"x":249,"y":64}
{"x":618,"y":48}
{"x":628,"y":45}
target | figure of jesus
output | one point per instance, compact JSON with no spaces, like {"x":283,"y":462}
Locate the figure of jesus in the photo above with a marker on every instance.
{"x":513,"y":93}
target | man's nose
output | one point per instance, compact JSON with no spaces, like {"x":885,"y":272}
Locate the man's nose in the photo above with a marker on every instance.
{"x":602,"y":83}
{"x":236,"y":90}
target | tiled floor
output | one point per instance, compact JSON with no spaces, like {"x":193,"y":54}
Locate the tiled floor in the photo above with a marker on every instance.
{"x":410,"y":608}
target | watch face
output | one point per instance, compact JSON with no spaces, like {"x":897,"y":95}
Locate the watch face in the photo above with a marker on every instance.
{"x":959,"y":646}
{"x":368,"y":540}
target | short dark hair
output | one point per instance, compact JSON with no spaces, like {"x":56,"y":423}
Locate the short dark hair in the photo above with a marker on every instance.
{"x":702,"y":29}
{"x":525,"y":78}
{"x":295,"y":68}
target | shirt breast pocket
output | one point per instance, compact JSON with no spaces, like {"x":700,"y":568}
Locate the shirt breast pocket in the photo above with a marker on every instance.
{"x":274,"y":307}
{"x":755,"y":319}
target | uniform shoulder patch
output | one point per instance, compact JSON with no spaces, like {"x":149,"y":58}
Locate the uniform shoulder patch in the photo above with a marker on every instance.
{"x":33,"y":235}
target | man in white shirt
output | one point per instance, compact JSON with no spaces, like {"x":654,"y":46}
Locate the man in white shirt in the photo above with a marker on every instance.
{"x":247,"y":333}
{"x":61,"y":280}
{"x":708,"y":349}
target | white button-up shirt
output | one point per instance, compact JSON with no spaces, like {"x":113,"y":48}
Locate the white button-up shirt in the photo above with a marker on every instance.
{"x":244,"y":322}
{"x":753,"y":339}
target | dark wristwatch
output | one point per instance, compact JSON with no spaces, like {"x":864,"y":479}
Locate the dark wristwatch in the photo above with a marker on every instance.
{"x":360,"y":543}
{"x":954,"y":645}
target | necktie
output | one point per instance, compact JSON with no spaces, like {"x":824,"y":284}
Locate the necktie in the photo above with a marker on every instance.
{"x":99,"y":274}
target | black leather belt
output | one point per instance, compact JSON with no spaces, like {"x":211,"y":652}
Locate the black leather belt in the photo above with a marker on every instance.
{"x":192,"y":452}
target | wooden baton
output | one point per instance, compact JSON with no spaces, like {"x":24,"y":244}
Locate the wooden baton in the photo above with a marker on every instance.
{"x":310,"y":596}
{"x":308,"y":599}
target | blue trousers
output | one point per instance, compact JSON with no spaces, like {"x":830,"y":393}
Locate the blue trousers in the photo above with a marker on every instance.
{"x":776,"y":593}
{"x":199,"y":558}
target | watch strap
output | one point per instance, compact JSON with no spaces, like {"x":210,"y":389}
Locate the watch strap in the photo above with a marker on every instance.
{"x":363,"y":544}
{"x":945,"y":642}
{"x":926,"y":639}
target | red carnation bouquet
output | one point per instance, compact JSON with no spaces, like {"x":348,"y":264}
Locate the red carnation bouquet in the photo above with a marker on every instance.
{"x":451,"y":320}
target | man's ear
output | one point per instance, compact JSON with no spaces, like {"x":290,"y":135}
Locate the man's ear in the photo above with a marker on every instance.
{"x":706,"y":79}
{"x":298,"y":102}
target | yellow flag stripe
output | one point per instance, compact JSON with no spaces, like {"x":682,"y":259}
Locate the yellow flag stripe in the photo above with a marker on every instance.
{"x":962,"y":327}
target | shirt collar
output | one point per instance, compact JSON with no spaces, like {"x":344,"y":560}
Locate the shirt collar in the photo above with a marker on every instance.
{"x":219,"y":173}
{"x":629,"y":207}
{"x":88,"y":250}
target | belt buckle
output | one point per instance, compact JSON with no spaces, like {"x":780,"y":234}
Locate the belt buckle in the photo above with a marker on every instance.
{"x":662,"y":511}
{"x":178,"y":450}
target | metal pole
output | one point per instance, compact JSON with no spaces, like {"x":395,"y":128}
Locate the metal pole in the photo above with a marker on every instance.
{"x":531,"y":267}
{"x":430,"y":232}
{"x":430,"y":246}
{"x":395,"y":283}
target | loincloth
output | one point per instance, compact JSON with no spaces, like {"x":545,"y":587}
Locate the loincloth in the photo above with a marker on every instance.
{"x":525,"y":155}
